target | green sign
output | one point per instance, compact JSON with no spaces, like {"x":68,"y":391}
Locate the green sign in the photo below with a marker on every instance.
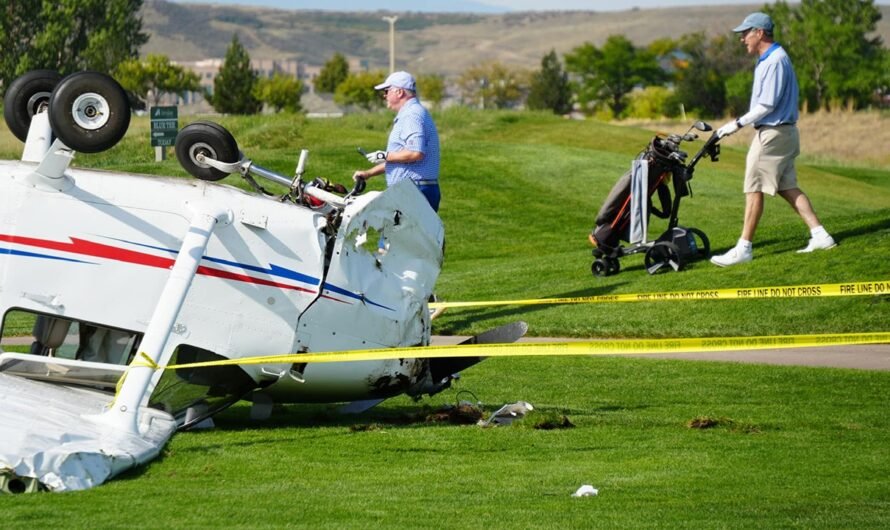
{"x":164,"y":125}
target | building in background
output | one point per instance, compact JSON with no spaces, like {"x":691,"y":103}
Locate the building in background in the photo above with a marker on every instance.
{"x":207,"y":69}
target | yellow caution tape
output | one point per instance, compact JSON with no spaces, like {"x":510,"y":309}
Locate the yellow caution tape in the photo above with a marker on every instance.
{"x":595,"y":347}
{"x":142,"y":359}
{"x":787,"y":291}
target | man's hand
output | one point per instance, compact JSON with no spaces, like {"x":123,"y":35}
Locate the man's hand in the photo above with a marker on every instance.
{"x":377,"y":157}
{"x":360,"y":175}
{"x":728,"y":129}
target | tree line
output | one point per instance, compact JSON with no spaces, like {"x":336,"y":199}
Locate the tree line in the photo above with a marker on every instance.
{"x":839,"y":62}
{"x":838,"y":59}
{"x":105,"y":36}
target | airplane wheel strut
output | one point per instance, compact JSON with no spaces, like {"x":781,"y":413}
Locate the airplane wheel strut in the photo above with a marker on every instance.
{"x":208,"y":139}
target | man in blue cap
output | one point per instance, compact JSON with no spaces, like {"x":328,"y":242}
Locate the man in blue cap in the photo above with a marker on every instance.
{"x":412,"y":152}
{"x":770,"y":163}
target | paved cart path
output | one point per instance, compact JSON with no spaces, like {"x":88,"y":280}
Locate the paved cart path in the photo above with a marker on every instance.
{"x":863,"y":357}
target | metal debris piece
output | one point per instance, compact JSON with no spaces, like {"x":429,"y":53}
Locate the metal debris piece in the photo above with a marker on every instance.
{"x":586,"y":491}
{"x":508,"y":414}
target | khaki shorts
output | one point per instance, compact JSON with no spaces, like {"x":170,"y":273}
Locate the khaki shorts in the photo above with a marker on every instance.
{"x":770,"y":163}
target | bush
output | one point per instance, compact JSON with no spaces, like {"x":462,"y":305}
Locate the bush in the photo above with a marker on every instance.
{"x":738,"y":93}
{"x":653,"y":102}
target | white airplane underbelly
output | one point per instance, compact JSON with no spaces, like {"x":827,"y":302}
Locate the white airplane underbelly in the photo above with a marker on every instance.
{"x":102,"y":271}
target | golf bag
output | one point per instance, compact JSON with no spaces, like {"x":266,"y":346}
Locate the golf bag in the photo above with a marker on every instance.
{"x":656,"y":172}
{"x":651,"y":172}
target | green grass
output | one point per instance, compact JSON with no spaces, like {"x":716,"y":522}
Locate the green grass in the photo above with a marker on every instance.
{"x":790,"y":447}
{"x":793,"y":447}
{"x":520,"y":193}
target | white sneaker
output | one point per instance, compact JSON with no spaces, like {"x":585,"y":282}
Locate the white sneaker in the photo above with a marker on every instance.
{"x":735,"y":256}
{"x":819,"y":243}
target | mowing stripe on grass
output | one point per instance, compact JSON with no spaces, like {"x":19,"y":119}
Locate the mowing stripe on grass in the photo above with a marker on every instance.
{"x":788,"y":291}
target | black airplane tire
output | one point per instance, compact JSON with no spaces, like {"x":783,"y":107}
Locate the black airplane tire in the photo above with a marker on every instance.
{"x":25,"y":97}
{"x":89,"y":112}
{"x":209,"y":139}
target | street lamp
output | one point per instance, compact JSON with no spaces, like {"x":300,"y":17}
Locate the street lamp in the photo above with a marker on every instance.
{"x":392,"y":42}
{"x":483,"y":84}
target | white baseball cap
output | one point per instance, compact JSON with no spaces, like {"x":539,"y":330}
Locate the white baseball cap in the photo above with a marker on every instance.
{"x":398,"y":80}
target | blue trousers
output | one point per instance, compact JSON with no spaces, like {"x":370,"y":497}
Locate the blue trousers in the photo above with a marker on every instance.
{"x":432,"y":193}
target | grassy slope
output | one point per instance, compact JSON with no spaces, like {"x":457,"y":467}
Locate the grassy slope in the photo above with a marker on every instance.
{"x":521,"y":191}
{"x":521,"y":234}
{"x":806,"y":447}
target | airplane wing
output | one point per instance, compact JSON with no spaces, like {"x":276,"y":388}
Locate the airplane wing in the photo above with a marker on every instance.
{"x":63,"y":446}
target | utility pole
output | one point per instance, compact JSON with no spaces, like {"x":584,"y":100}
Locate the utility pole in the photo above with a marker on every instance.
{"x":392,"y":42}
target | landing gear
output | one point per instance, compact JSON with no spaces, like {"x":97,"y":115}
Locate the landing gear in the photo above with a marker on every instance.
{"x":28,"y":95}
{"x":208,"y":139}
{"x":89,"y":112}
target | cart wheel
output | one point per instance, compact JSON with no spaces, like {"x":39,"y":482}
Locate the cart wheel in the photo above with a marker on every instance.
{"x":661,"y":256}
{"x":208,"y":139}
{"x":699,"y":241}
{"x":25,"y":97}
{"x":613,"y":266}
{"x":599,"y":268}
{"x":89,"y":111}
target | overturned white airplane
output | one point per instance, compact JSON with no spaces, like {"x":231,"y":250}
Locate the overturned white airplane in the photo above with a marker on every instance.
{"x":104,"y":268}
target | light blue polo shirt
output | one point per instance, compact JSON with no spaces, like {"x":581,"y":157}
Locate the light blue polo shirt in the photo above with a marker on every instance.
{"x":775,"y":85}
{"x":413,"y":129}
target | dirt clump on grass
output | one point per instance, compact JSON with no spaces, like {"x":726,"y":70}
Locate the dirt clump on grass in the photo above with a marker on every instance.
{"x":707,"y":422}
{"x":463,"y":414}
{"x":557,"y":422}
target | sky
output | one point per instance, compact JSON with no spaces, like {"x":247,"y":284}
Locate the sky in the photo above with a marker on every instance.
{"x":481,"y":5}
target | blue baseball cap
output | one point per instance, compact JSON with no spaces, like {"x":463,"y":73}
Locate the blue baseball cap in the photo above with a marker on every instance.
{"x":398,"y":80}
{"x":756,"y":21}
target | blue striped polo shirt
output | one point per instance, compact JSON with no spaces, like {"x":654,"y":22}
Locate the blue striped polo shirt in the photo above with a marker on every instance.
{"x":775,"y":86}
{"x":413,"y":129}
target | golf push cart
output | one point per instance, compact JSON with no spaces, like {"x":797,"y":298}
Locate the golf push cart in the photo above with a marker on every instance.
{"x":625,"y":214}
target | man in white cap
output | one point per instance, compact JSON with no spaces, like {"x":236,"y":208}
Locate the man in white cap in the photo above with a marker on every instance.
{"x":412,"y":152}
{"x":770,"y":163}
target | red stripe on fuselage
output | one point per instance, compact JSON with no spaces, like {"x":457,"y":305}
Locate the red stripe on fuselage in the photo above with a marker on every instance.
{"x":90,"y":248}
{"x":216,"y":273}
